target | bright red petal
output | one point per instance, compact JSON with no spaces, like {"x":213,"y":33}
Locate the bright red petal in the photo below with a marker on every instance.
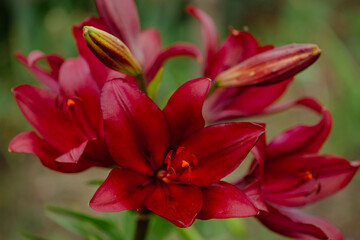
{"x":300,"y":180}
{"x":224,"y":200}
{"x":177,"y":203}
{"x":29,"y":142}
{"x":302,"y":138}
{"x":136,"y":130}
{"x":123,"y":189}
{"x":77,"y":83}
{"x":43,"y":110}
{"x":296,"y":224}
{"x":123,"y":20}
{"x":48,"y":78}
{"x":220,"y":149}
{"x":208,"y":29}
{"x":175,"y":50}
{"x":184,"y":109}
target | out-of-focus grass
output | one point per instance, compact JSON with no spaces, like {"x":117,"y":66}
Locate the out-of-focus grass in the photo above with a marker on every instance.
{"x":26,"y":187}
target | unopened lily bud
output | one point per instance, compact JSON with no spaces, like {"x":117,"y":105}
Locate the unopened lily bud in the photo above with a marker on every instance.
{"x":270,"y":67}
{"x":111,"y":51}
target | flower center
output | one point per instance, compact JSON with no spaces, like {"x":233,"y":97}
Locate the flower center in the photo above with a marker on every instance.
{"x":178,"y":166}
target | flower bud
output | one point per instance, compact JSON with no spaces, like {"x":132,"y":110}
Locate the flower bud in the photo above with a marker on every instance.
{"x":270,"y":67}
{"x":111,"y":51}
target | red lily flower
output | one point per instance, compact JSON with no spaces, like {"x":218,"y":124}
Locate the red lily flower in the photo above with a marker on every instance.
{"x":291,"y":173}
{"x":225,"y":104}
{"x":171,"y":164}
{"x":67,"y":116}
{"x":120,"y":18}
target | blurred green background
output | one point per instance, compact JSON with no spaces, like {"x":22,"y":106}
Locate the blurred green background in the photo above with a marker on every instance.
{"x":26,"y":187}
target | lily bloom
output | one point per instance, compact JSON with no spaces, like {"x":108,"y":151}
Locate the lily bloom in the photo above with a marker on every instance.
{"x":254,"y":76}
{"x":67,"y":115}
{"x":120,"y":18}
{"x":291,"y":173}
{"x":170,"y":163}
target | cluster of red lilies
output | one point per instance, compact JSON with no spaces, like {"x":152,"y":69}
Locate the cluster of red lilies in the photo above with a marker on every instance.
{"x":97,"y":110}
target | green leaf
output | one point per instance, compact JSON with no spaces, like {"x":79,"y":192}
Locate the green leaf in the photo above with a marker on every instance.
{"x":190,"y":233}
{"x":31,"y":237}
{"x":153,"y":87}
{"x":83,"y":224}
{"x":159,"y":228}
{"x":95,"y":182}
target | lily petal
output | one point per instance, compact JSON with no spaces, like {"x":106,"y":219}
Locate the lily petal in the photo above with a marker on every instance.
{"x":300,"y":180}
{"x":208,"y":29}
{"x":150,"y":41}
{"x":302,"y":138}
{"x":136,"y":130}
{"x":54,"y":123}
{"x":29,"y":142}
{"x":177,"y":203}
{"x":220,"y":149}
{"x":123,"y":189}
{"x":123,"y":20}
{"x":175,"y":50}
{"x":184,"y":109}
{"x":224,"y":200}
{"x":296,"y":224}
{"x":48,"y":78}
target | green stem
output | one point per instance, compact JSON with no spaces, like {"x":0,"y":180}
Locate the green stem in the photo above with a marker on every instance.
{"x":142,"y":225}
{"x":141,"y":83}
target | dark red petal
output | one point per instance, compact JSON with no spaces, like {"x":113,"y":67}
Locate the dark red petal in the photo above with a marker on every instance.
{"x":237,"y":47}
{"x":99,"y":71}
{"x":54,"y":123}
{"x":123,"y":189}
{"x":150,"y":41}
{"x":226,"y":104}
{"x":136,"y":130}
{"x":208,"y":29}
{"x":29,"y":142}
{"x":224,"y":200}
{"x":253,"y":192}
{"x":302,"y":138}
{"x":73,"y":155}
{"x":184,"y":109}
{"x":300,"y":180}
{"x":175,"y":50}
{"x":77,"y":83}
{"x":177,"y":203}
{"x":220,"y":149}
{"x":296,"y":224}
{"x":48,"y":78}
{"x":123,"y":20}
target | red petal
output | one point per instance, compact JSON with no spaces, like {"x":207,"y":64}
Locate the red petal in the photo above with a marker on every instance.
{"x":29,"y":142}
{"x":253,"y":192}
{"x":150,"y":41}
{"x":54,"y":124}
{"x":238,"y":47}
{"x":123,"y":20}
{"x":99,"y":70}
{"x":48,"y":78}
{"x":220,"y":149}
{"x":123,"y":189}
{"x":177,"y":203}
{"x":300,"y":180}
{"x":136,"y":130}
{"x":73,"y":155}
{"x":175,"y":50}
{"x":302,"y":139}
{"x":209,"y":32}
{"x":77,"y":83}
{"x":296,"y":224}
{"x":224,"y":200}
{"x":184,"y":109}
{"x":226,"y":104}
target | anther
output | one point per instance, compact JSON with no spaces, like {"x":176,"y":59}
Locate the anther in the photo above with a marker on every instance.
{"x":70,"y":102}
{"x":184,"y":164}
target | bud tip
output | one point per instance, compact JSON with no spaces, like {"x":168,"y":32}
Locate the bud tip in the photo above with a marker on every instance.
{"x":317,"y":51}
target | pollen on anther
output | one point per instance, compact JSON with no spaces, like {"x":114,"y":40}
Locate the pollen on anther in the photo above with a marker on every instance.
{"x":308,"y":176}
{"x":70,"y":102}
{"x":184,"y":164}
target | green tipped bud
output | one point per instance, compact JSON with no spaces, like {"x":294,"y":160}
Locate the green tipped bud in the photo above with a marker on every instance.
{"x":111,"y":51}
{"x":270,"y":67}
